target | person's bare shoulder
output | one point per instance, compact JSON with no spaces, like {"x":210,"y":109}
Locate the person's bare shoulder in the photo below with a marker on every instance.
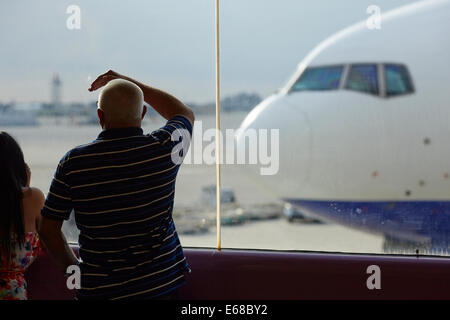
{"x":38,"y":196}
{"x":34,"y":200}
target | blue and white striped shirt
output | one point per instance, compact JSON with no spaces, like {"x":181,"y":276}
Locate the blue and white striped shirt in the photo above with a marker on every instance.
{"x":121,"y":187}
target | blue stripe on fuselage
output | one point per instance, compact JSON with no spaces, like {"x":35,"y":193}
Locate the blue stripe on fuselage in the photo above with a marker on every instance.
{"x":410,"y":220}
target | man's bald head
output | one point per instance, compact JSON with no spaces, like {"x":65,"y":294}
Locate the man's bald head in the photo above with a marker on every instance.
{"x":121,"y":104}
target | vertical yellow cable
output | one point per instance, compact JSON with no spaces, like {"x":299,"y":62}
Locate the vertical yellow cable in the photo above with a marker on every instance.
{"x":217,"y":130}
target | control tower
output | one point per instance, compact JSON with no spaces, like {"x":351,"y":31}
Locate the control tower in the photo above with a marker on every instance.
{"x":56,"y":92}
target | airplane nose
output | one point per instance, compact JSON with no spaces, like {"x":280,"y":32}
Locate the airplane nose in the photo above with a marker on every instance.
{"x":283,"y":136}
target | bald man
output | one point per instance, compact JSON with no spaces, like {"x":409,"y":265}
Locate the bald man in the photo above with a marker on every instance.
{"x":121,"y":104}
{"x":121,"y":189}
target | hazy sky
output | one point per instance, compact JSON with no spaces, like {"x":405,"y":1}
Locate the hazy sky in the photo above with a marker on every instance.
{"x":166,"y":43}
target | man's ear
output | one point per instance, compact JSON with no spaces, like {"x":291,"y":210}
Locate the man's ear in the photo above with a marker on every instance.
{"x":144,"y":111}
{"x":101,"y":117}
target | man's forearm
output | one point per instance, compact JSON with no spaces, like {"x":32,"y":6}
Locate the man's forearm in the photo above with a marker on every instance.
{"x":57,"y":246}
{"x":164,"y":103}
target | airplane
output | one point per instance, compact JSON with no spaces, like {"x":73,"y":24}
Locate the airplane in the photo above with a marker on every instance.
{"x":364,"y":129}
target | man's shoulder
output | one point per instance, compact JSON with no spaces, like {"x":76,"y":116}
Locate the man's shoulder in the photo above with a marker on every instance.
{"x":78,"y":151}
{"x":178,"y":127}
{"x":99,"y":146}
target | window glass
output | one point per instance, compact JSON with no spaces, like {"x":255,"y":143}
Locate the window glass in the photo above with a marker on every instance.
{"x":319,"y":78}
{"x":316,"y":172}
{"x":363,"y":78}
{"x":398,"y":81}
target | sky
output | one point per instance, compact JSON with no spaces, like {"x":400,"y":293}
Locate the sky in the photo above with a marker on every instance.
{"x":169,"y":44}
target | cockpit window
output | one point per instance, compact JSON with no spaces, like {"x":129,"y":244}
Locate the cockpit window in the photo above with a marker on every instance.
{"x":319,"y":78}
{"x":398,"y":81}
{"x":364,"y":78}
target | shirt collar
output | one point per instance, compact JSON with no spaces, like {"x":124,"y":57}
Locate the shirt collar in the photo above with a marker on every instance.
{"x":120,"y":133}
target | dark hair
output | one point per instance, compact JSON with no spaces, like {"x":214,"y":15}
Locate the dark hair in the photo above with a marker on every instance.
{"x":13,"y":177}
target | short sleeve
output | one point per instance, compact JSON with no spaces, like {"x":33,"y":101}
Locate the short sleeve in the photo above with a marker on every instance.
{"x":175,"y":135}
{"x":58,"y":204}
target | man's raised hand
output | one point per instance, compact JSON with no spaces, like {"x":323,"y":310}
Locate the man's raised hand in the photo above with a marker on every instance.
{"x":103,"y":79}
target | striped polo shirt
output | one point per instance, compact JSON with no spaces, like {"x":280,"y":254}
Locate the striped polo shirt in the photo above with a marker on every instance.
{"x":121,"y":187}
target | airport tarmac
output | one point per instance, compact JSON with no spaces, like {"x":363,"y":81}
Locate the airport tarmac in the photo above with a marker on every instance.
{"x":279,"y":234}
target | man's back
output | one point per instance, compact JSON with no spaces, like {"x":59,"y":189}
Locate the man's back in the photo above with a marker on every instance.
{"x":122,"y":187}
